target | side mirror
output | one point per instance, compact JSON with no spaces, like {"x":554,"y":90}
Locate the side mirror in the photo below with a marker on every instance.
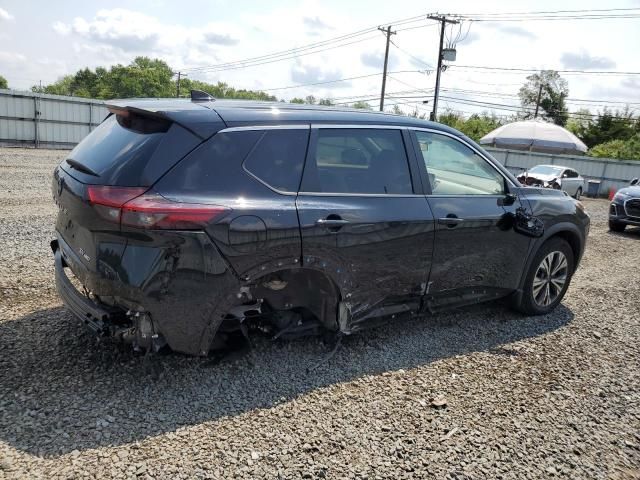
{"x":635,"y":181}
{"x":508,"y":200}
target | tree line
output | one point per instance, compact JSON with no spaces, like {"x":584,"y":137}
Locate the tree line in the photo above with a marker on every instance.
{"x":607,"y":133}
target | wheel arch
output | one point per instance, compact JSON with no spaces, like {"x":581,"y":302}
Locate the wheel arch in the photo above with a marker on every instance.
{"x":306,"y":287}
{"x":565,"y":230}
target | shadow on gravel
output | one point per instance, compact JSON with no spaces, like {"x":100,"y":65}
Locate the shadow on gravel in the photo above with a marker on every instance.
{"x":61,"y":391}
{"x":629,"y":232}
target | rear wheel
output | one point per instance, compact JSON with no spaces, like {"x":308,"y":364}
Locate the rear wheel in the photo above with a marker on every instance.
{"x":617,"y":226}
{"x":548,"y":278}
{"x":578,"y":193}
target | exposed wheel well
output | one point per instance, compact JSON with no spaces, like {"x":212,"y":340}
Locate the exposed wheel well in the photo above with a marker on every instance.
{"x":300,"y":287}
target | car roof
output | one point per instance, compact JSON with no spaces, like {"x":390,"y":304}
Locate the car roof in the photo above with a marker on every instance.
{"x":553,"y":166}
{"x":249,"y":112}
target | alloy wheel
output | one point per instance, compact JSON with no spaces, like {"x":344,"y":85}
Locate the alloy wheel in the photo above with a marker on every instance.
{"x":550,"y":278}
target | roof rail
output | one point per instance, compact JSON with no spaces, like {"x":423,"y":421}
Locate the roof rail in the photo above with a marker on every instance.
{"x":200,"y":96}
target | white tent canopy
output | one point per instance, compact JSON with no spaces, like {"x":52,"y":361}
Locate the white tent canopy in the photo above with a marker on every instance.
{"x":535,"y":136}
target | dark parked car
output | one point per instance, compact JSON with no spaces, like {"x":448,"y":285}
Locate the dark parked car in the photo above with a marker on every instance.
{"x":186,"y":223}
{"x":625,"y":207}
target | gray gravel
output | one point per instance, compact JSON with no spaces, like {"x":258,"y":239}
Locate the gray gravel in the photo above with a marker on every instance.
{"x":477,"y":393}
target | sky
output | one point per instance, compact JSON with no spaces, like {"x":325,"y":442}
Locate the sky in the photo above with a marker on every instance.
{"x":40,"y":41}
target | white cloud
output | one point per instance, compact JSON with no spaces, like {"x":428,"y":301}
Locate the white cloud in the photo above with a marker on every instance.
{"x":5,"y":16}
{"x":585,"y":61}
{"x":120,"y":33}
{"x":12,"y":58}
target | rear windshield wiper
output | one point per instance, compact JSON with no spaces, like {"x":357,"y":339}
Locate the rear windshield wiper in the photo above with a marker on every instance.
{"x":80,"y":167}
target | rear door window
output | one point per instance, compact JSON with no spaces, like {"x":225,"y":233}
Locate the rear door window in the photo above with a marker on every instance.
{"x":358,"y":161}
{"x":278,"y":158}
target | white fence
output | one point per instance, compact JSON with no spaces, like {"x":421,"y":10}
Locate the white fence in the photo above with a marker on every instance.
{"x":47,"y":121}
{"x":612,"y":173}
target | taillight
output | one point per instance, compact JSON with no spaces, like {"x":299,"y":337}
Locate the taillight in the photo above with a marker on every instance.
{"x":108,"y":200}
{"x":133,"y":207}
{"x":155,"y":211}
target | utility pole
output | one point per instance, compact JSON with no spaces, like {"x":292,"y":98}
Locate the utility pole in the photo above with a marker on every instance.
{"x":387,"y":31}
{"x":443,"y":21}
{"x":178,"y":83}
{"x":535,"y":115}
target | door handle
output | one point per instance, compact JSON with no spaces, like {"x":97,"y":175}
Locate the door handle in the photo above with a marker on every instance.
{"x":333,"y":223}
{"x":450,"y":221}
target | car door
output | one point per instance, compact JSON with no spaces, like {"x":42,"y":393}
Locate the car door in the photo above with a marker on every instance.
{"x":477,"y":253}
{"x":570,"y":181}
{"x":364,"y":220}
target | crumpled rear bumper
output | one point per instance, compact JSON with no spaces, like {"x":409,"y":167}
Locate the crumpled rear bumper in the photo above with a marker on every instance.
{"x":173,"y":286}
{"x":97,"y":317}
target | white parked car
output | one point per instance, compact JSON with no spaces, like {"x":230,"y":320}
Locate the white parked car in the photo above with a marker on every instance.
{"x":554,"y":176}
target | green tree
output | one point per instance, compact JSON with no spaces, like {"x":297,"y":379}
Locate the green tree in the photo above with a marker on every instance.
{"x":622,"y":149}
{"x":3,"y":82}
{"x":607,"y":126}
{"x":552,"y":90}
{"x":451,"y":119}
{"x":296,"y":100}
{"x":362,"y":105}
{"x":478,"y":125}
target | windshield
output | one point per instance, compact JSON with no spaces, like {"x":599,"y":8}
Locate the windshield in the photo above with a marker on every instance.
{"x":546,"y":170}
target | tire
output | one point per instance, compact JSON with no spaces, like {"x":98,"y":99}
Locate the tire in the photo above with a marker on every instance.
{"x":578,"y":193}
{"x":616,"y":226}
{"x":539,"y":294}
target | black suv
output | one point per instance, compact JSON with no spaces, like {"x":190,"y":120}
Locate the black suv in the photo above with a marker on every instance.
{"x":188,"y":222}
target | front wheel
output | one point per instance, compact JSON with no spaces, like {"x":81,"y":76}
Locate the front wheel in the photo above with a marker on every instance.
{"x":548,"y":278}
{"x":616,"y":226}
{"x":578,"y":193}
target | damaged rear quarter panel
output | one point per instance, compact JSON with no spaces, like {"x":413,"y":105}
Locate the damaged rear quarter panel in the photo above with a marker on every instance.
{"x":181,"y":279}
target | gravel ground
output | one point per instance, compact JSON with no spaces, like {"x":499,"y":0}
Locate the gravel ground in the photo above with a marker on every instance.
{"x":546,"y":397}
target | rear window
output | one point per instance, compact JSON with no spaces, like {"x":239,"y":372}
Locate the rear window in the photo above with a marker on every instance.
{"x":278,"y":158}
{"x":132,"y":151}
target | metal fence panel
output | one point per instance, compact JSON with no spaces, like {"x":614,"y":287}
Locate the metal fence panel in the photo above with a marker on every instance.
{"x":49,"y":121}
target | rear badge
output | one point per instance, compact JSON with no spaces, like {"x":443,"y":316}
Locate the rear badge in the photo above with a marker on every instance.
{"x":84,"y":255}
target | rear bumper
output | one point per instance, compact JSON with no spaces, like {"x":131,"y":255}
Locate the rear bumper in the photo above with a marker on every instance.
{"x":168,"y":286}
{"x":94,"y":316}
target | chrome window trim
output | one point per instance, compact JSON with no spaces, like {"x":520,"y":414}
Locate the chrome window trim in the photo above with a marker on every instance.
{"x":358,"y":125}
{"x":467,"y":144}
{"x":381,"y":195}
{"x":266,"y":127}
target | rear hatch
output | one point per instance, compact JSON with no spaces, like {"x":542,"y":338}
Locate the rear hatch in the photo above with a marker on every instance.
{"x":117,"y":162}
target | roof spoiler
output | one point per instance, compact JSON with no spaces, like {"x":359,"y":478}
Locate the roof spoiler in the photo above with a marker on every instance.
{"x":200,"y":96}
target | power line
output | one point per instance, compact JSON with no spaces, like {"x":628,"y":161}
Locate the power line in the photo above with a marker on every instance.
{"x":517,"y":108}
{"x":501,"y":94}
{"x":285,"y":54}
{"x":337,"y":80}
{"x":555,"y":11}
{"x":532,"y":70}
